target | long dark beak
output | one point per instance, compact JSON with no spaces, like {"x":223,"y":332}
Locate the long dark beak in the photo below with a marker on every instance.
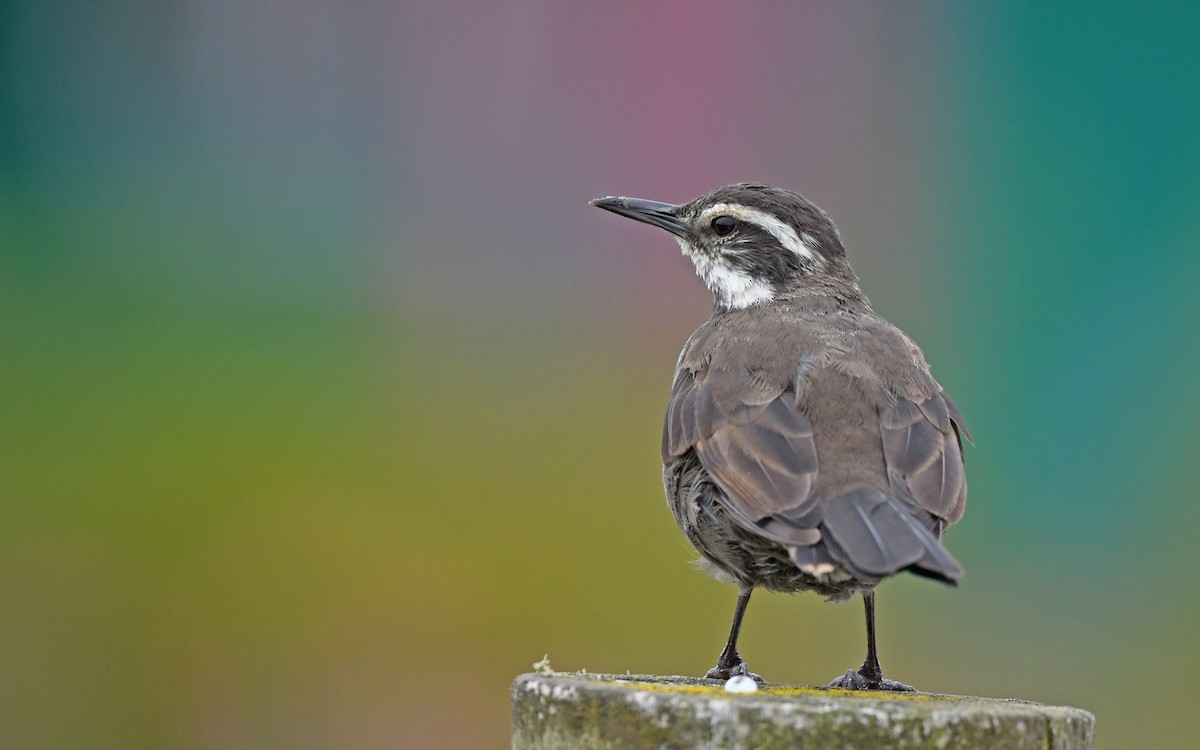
{"x":661,"y":215}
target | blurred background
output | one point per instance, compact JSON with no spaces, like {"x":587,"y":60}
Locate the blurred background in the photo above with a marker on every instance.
{"x":329,"y":406}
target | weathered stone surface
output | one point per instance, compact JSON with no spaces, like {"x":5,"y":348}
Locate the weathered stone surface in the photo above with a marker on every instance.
{"x":590,"y":712}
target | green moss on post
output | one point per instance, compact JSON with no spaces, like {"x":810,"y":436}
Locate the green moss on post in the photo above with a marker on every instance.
{"x":598,"y":712}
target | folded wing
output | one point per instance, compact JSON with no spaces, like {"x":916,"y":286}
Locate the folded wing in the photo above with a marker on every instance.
{"x":761,"y":455}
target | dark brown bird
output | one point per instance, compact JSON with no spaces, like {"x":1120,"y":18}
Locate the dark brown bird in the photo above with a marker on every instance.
{"x":806,"y":446}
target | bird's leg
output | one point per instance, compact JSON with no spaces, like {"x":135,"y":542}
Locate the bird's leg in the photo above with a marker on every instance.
{"x":870,"y":675}
{"x":729,"y":663}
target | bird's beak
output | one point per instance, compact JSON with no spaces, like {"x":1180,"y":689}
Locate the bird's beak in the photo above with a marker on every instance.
{"x":661,"y":215}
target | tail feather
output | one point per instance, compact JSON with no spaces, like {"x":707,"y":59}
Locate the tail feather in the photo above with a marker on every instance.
{"x":877,"y":536}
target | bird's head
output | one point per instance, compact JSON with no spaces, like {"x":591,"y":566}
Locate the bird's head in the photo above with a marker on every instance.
{"x":749,"y":242}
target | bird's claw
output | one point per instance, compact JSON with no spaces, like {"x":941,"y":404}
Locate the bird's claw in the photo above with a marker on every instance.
{"x":853,"y":680}
{"x":726,"y":673}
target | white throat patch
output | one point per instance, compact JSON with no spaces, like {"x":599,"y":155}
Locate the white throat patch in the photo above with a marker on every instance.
{"x":734,"y":289}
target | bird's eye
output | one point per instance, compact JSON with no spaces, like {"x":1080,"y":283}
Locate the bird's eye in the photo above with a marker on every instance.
{"x":723,"y":225}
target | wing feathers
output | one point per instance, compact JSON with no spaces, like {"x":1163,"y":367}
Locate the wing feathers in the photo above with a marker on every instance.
{"x":924,"y":464}
{"x":941,"y":486}
{"x":758,"y":447}
{"x":913,"y":447}
{"x":935,"y":411}
{"x":690,"y":416}
{"x":899,"y":415}
{"x":957,"y":417}
{"x":765,"y":467}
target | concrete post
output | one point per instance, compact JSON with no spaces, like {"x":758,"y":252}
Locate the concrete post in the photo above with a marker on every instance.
{"x":594,"y":712}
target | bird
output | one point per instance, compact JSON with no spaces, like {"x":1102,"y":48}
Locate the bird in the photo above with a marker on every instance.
{"x":806,"y":445}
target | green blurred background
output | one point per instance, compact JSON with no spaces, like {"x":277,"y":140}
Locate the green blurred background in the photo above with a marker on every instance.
{"x":330,"y":406}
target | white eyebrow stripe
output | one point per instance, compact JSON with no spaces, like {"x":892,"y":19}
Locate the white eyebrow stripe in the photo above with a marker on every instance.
{"x":778,"y":229}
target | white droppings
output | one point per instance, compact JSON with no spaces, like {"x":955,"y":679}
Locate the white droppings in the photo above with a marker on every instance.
{"x":740,"y":683}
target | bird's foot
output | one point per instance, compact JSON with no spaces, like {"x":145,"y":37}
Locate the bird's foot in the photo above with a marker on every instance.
{"x":726,"y":673}
{"x":730,"y":665}
{"x":853,"y":680}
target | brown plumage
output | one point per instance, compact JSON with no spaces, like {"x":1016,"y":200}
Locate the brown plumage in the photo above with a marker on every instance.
{"x":806,"y":445}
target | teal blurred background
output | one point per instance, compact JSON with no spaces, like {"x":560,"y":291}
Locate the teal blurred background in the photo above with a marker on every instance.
{"x":330,"y":406}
